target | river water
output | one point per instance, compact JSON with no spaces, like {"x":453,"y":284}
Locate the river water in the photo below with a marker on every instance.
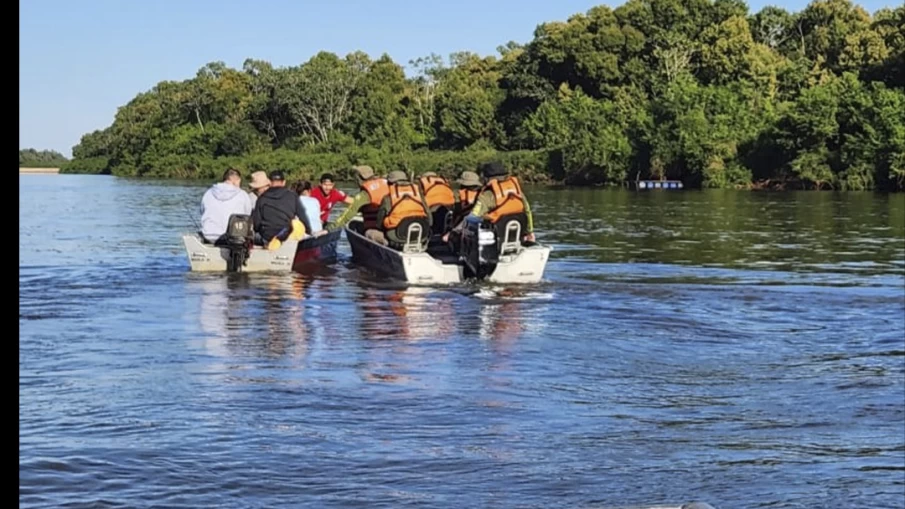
{"x":743,"y":349}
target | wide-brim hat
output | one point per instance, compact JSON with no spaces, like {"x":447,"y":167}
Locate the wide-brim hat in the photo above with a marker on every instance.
{"x":396,"y":176}
{"x":469,"y":179}
{"x":364,"y":172}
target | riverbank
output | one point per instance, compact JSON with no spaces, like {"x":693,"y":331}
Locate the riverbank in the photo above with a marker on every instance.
{"x":39,"y":170}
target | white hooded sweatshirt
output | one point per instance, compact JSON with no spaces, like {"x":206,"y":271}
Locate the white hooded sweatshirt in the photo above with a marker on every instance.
{"x":218,"y":203}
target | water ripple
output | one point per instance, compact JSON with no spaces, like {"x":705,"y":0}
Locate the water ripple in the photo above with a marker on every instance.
{"x":742,"y":349}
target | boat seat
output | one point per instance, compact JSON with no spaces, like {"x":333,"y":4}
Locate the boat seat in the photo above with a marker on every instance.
{"x":509,"y":231}
{"x":416,"y":231}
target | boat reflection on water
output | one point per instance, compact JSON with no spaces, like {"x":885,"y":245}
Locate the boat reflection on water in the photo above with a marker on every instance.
{"x":406,"y":329}
{"x":247,"y":316}
{"x":411,"y":314}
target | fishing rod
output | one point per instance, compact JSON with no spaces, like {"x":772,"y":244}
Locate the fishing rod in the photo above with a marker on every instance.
{"x":192,"y":217}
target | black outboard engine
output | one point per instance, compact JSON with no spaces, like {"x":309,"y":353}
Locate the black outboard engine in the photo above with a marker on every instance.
{"x":484,"y":244}
{"x":479,"y":247}
{"x":239,"y":238}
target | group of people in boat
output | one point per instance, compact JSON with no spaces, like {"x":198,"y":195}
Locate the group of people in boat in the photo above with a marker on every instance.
{"x":389,"y":206}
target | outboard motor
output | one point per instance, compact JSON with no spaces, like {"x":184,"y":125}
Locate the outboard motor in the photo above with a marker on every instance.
{"x":479,"y":247}
{"x":239,"y":238}
{"x":485,"y":244}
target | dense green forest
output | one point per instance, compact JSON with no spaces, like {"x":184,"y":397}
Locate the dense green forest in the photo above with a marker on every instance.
{"x":31,"y":158}
{"x":697,"y":90}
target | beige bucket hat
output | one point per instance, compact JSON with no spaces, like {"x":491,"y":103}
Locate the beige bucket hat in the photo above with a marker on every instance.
{"x":258,"y":180}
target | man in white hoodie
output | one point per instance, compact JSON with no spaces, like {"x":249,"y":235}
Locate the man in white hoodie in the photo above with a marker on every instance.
{"x":222,"y":200}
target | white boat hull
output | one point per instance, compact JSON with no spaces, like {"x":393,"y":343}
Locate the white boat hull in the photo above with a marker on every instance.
{"x":209,"y":258}
{"x":525,"y":267}
{"x":438,"y":267}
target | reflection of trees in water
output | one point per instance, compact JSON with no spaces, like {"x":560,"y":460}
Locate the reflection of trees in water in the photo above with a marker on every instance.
{"x":722,"y":227}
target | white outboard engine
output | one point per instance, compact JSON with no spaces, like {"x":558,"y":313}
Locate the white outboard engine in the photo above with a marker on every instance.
{"x":239,"y":239}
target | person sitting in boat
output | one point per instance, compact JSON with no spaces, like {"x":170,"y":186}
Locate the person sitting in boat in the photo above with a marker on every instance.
{"x":367,"y":201}
{"x":469,"y":187}
{"x":222,"y":200}
{"x":327,"y":196}
{"x":439,"y":197}
{"x":403,"y":206}
{"x":311,"y":205}
{"x":275,"y":211}
{"x":500,"y":196}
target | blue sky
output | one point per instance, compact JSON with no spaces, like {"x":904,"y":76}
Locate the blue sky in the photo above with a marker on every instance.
{"x":79,"y":60}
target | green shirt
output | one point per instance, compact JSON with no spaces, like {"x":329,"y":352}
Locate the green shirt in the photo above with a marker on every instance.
{"x":360,"y":200}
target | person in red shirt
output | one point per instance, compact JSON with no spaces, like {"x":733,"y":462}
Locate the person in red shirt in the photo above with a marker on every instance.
{"x":328,"y":196}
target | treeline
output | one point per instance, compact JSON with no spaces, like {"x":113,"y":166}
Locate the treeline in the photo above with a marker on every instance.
{"x":31,"y":158}
{"x":697,"y":90}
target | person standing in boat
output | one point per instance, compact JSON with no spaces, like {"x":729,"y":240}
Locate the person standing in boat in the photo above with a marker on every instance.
{"x":311,"y":205}
{"x":328,"y":196}
{"x":275,"y":210}
{"x":222,"y":200}
{"x":403,"y":205}
{"x":439,"y":197}
{"x":501,"y":196}
{"x":367,"y":201}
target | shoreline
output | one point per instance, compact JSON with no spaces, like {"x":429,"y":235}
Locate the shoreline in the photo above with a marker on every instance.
{"x":759,"y":186}
{"x":50,"y":171}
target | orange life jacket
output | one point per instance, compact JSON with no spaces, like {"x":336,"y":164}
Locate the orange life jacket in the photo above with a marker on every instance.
{"x":467,"y":196}
{"x":437,"y":192}
{"x":508,"y":195}
{"x":405,"y":202}
{"x":377,"y":189}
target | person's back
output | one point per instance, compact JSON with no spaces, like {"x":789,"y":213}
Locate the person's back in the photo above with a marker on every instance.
{"x":403,"y":205}
{"x":439,"y":197}
{"x":313,"y":211}
{"x":437,"y":191}
{"x":274,"y":211}
{"x":221,"y":201}
{"x":311,"y":205}
{"x":502,"y":196}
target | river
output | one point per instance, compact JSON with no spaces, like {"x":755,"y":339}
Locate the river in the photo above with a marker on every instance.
{"x":744,"y":349}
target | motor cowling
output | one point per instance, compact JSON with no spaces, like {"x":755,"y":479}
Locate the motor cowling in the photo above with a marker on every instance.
{"x":479,"y":246}
{"x":239,"y":239}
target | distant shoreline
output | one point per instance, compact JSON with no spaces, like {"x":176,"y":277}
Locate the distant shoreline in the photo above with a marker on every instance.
{"x":39,"y":170}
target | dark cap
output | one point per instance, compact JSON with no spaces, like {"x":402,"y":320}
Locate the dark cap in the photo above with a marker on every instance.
{"x":491,"y":169}
{"x":277,"y":175}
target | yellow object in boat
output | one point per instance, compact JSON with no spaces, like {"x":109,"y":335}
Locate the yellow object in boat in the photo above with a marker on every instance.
{"x":298,"y":229}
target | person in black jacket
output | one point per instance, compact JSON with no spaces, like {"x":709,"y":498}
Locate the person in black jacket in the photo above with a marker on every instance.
{"x":275,"y":209}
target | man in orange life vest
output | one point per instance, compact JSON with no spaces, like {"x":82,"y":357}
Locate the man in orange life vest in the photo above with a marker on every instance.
{"x":403,"y":205}
{"x":501,"y":196}
{"x":439,"y":198}
{"x":469,"y":187}
{"x":372,"y":190}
